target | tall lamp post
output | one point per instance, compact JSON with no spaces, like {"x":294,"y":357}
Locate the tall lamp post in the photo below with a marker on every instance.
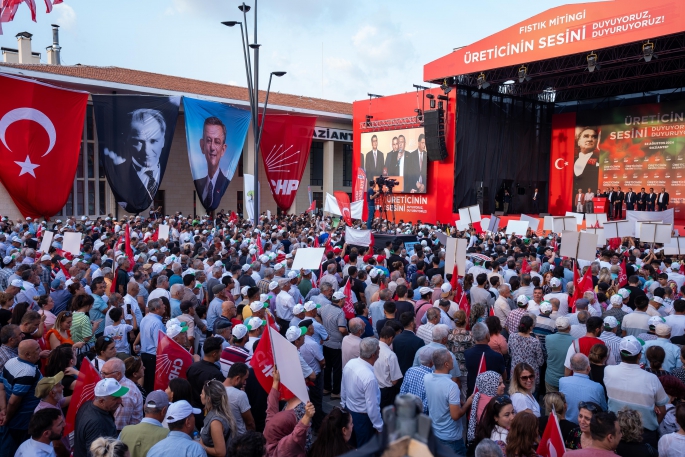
{"x":253,"y":91}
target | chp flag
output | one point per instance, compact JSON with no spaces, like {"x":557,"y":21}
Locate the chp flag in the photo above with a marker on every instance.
{"x":83,"y":391}
{"x":172,"y":361}
{"x":41,"y":130}
{"x":285,"y":148}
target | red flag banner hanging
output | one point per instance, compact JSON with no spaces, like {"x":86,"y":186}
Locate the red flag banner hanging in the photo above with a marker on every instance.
{"x":172,"y":361}
{"x":83,"y":392}
{"x":359,"y":185}
{"x":285,"y":144}
{"x":312,"y":207}
{"x":623,"y":274}
{"x":40,"y":137}
{"x":344,"y":205}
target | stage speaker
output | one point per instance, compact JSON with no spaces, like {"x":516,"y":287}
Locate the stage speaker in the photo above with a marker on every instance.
{"x":434,"y":128}
{"x":482,"y":197}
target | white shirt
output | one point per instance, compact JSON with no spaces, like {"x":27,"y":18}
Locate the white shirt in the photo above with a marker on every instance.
{"x":580,"y":163}
{"x":401,"y":163}
{"x":563,"y":302}
{"x":386,"y":368}
{"x":284,"y":305}
{"x":522,"y":402}
{"x":32,"y":448}
{"x":359,"y":391}
{"x":677,"y":323}
{"x":158,"y":293}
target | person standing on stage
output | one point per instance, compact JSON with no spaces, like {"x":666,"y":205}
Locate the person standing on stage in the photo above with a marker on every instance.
{"x":630,"y":199}
{"x":589,"y":206}
{"x":536,"y":202}
{"x":611,"y":196}
{"x":618,"y":204}
{"x":662,"y":199}
{"x":651,"y":199}
{"x":580,"y":201}
{"x":586,"y":166}
{"x":371,"y":203}
{"x":506,"y":201}
{"x":642,"y":200}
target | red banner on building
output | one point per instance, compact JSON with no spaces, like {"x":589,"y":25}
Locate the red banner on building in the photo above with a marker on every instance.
{"x":285,"y":144}
{"x":344,"y":205}
{"x":40,"y":137}
{"x":172,"y":361}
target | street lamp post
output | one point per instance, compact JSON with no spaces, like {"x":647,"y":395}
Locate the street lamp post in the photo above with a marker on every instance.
{"x":253,"y":90}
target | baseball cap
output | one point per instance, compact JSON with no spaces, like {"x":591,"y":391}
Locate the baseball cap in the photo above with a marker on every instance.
{"x":45,"y":257}
{"x":174,"y":329}
{"x":273,"y":285}
{"x":306,"y":323}
{"x":244,"y":290}
{"x":7,"y":259}
{"x":292,"y":274}
{"x":17,"y":283}
{"x":246,"y":267}
{"x":257,"y":305}
{"x":522,"y":300}
{"x":374,"y":272}
{"x":239,"y":331}
{"x":310,"y":305}
{"x":110,"y":387}
{"x":616,"y":299}
{"x":297,"y":309}
{"x":659,"y":300}
{"x":46,"y":384}
{"x":562,"y":322}
{"x":157,"y":399}
{"x":625,"y":293}
{"x":425,"y":290}
{"x":180,"y":410}
{"x":555,"y":282}
{"x":254,"y":323}
{"x":294,"y":333}
{"x":545,"y":307}
{"x":662,"y":329}
{"x":630,"y":345}
{"x":278,"y":266}
{"x":654,"y":321}
{"x":610,"y":322}
{"x":446,"y":288}
{"x":339,"y":295}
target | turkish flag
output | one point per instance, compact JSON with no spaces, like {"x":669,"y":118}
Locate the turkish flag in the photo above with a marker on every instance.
{"x":552,"y":443}
{"x":285,"y":148}
{"x":260,"y":249}
{"x":482,"y":368}
{"x":454,"y":282}
{"x":525,"y":268}
{"x":234,"y":217}
{"x":312,"y":207}
{"x":466,"y":307}
{"x":344,"y":205}
{"x":348,"y":307}
{"x":582,"y":285}
{"x":128,"y":249}
{"x":155,"y":235}
{"x":262,"y":362}
{"x":623,"y":274}
{"x":40,"y":137}
{"x":83,"y":392}
{"x":172,"y":361}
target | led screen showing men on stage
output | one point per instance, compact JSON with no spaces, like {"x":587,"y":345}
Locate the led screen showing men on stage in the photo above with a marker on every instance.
{"x":634,"y":148}
{"x":398,"y":154}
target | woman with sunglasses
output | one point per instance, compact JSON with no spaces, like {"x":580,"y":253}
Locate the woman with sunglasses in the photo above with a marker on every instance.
{"x":496,"y":421}
{"x":521,"y":390}
{"x":524,"y":347}
{"x":105,"y":349}
{"x":488,"y":385}
{"x":60,"y":333}
{"x":580,"y":437}
{"x":523,"y":437}
{"x":219,"y":424}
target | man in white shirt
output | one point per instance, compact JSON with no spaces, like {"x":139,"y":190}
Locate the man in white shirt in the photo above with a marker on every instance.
{"x":162,"y":289}
{"x":360,"y":393}
{"x":580,"y":201}
{"x":47,"y":426}
{"x":677,"y":320}
{"x":589,"y":195}
{"x":555,"y":283}
{"x":387,"y":368}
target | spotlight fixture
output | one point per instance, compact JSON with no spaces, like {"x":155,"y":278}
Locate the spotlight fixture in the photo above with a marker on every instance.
{"x":592,"y":62}
{"x":431,"y":97}
{"x":648,"y":51}
{"x":523,"y":74}
{"x":368,"y":120}
{"x":482,"y":83}
{"x":445,"y":88}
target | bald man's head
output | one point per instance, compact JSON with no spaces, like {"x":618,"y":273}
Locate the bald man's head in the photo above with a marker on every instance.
{"x":29,"y":350}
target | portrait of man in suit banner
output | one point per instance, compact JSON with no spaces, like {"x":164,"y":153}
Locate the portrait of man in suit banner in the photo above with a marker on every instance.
{"x":398,"y":154}
{"x":215,"y":136}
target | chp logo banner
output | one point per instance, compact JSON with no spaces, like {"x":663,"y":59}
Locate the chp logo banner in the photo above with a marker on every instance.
{"x":134,"y":138}
{"x":83,"y":391}
{"x":40,"y":138}
{"x":285,"y":150}
{"x":172,"y":361}
{"x":215,"y":134}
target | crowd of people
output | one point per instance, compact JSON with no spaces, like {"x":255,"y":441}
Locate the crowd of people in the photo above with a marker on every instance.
{"x":491,"y":356}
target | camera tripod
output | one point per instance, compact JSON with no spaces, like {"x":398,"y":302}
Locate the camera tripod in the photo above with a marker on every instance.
{"x":383,"y":208}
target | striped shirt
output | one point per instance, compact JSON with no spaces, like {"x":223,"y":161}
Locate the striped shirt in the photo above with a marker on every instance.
{"x":81,"y":328}
{"x":413,"y":384}
{"x":19,"y":378}
{"x":231,"y":355}
{"x":332,"y":317}
{"x":613,"y":343}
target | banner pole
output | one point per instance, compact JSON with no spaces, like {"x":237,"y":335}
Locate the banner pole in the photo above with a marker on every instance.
{"x":271,"y":340}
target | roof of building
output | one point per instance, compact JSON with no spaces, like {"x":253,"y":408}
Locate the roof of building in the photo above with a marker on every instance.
{"x":178,"y":84}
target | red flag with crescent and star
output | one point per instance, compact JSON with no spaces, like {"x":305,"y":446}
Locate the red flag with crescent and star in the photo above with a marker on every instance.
{"x":40,"y":137}
{"x":344,"y":205}
{"x":552,"y":442}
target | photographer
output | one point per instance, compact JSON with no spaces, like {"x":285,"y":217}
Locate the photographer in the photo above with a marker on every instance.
{"x":371,"y":202}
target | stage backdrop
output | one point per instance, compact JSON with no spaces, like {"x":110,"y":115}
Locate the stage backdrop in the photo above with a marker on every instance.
{"x":395,"y":153}
{"x":631,"y":147}
{"x":215,"y":133}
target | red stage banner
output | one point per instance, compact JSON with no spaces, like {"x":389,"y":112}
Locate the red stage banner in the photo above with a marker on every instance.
{"x":83,"y":391}
{"x":285,"y":144}
{"x":561,"y":189}
{"x":40,"y":139}
{"x":172,"y":361}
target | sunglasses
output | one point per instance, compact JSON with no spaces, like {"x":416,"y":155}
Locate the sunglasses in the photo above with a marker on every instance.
{"x":502,"y":400}
{"x":67,"y":314}
{"x":527,"y":378}
{"x":107,"y":339}
{"x":592,"y":407}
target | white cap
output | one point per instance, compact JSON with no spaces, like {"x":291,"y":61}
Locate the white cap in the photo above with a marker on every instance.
{"x":264,"y":258}
{"x":616,"y":299}
{"x":273,"y":285}
{"x":256,"y":306}
{"x":662,"y":329}
{"x":522,"y":300}
{"x":175,"y":329}
{"x":310,"y":305}
{"x":655,"y":320}
{"x":659,"y":300}
{"x":298,"y":309}
{"x":110,"y":387}
{"x":7,"y":259}
{"x":630,"y":345}
{"x":45,"y":257}
{"x":278,"y":266}
{"x":293,"y":333}
{"x":610,"y":322}
{"x":292,"y":274}
{"x":425,"y":290}
{"x":244,"y":290}
{"x":555,"y":282}
{"x":339,"y":295}
{"x":625,"y":293}
{"x":239,"y":331}
{"x":374,"y":272}
{"x":545,"y":307}
{"x":562,"y":322}
{"x":179,"y":410}
{"x":246,"y":267}
{"x":17,"y":283}
{"x":446,"y":287}
{"x":254,"y":323}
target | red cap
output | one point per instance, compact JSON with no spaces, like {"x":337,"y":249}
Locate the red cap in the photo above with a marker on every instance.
{"x":337,"y":250}
{"x":346,"y":259}
{"x":380,"y":258}
{"x":367,"y":257}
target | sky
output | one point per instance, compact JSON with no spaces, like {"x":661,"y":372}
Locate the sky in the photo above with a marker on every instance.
{"x":332,"y":49}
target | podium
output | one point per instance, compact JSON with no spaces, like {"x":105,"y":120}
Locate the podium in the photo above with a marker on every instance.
{"x":600,"y":205}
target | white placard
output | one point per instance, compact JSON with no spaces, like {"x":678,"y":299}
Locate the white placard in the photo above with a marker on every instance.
{"x":470,"y":214}
{"x":47,"y":241}
{"x":518,"y":227}
{"x":578,"y":216}
{"x":72,"y":242}
{"x":533,"y":222}
{"x":565,"y":224}
{"x":655,"y":233}
{"x":548,"y":223}
{"x":579,"y":245}
{"x":494,"y":223}
{"x":163,"y":232}
{"x":461,"y":225}
{"x":601,"y":241}
{"x":618,"y":229}
{"x":308,"y":258}
{"x":455,"y":252}
{"x":485,"y":223}
{"x":592,"y":219}
{"x":672,"y":247}
{"x":287,"y":360}
{"x":462,"y":243}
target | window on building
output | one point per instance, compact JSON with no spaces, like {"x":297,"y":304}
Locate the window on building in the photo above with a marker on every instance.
{"x":158,"y":201}
{"x":240,"y":166}
{"x":239,"y":200}
{"x":318,"y":198}
{"x":347,"y":164}
{"x":316,"y":164}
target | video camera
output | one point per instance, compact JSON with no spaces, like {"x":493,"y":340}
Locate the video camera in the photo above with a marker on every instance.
{"x":383,"y":181}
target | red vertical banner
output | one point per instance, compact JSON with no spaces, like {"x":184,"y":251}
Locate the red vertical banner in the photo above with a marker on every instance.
{"x":344,"y":205}
{"x":172,"y":361}
{"x":285,"y":144}
{"x":359,"y":185}
{"x":561,"y":164}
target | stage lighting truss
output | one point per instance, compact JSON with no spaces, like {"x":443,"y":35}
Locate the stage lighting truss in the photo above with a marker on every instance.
{"x":592,"y":62}
{"x":648,"y":51}
{"x":386,"y":124}
{"x":482,"y":82}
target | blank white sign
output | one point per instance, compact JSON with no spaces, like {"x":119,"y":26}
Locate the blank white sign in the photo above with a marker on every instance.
{"x":308,"y":258}
{"x":533,"y":222}
{"x":517,"y":227}
{"x":47,"y":241}
{"x":163,"y":232}
{"x":72,"y":243}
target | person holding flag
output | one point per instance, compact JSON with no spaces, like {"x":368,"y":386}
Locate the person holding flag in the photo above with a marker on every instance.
{"x":479,"y":352}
